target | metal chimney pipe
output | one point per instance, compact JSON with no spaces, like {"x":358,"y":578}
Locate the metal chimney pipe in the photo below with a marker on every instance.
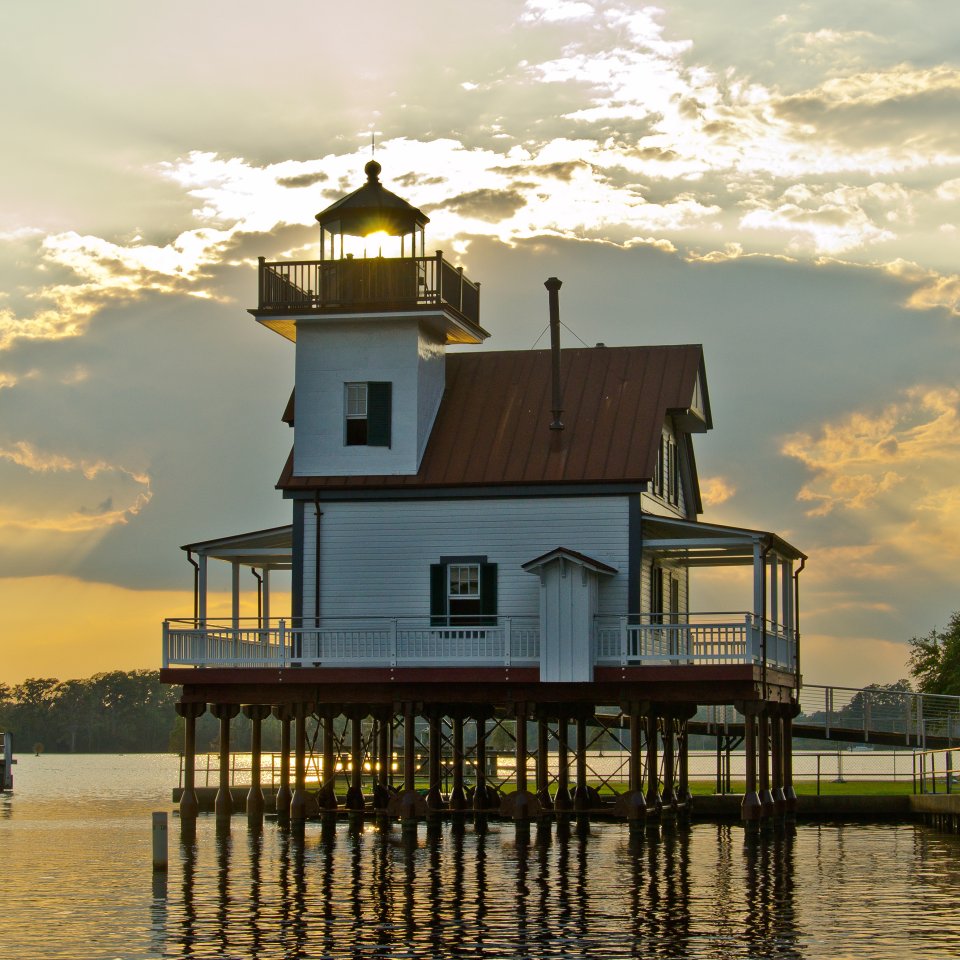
{"x":553,"y":287}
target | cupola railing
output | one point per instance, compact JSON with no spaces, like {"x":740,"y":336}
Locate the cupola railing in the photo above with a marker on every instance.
{"x":357,"y":284}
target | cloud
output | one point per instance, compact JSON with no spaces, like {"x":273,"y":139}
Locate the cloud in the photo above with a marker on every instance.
{"x":302,"y":180}
{"x":901,"y":112}
{"x":556,"y":11}
{"x":489,"y":205}
{"x":42,"y":507}
{"x":716,"y":490}
{"x":896,"y":468}
{"x":833,"y":220}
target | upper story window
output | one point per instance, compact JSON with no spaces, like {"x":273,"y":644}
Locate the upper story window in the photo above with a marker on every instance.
{"x":666,"y":473}
{"x":367,"y":408}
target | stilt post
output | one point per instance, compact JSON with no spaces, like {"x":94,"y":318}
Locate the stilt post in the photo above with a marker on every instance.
{"x":189,"y":807}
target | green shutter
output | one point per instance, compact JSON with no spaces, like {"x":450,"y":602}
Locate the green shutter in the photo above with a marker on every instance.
{"x":488,"y":592}
{"x":379,"y":413}
{"x":438,"y":594}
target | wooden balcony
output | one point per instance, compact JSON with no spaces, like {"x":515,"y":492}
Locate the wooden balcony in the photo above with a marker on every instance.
{"x":689,"y":640}
{"x":364,"y":284}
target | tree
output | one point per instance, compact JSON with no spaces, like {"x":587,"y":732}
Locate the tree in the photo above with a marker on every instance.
{"x":935,"y":659}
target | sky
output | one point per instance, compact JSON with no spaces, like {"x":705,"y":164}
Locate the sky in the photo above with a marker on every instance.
{"x":779,"y":182}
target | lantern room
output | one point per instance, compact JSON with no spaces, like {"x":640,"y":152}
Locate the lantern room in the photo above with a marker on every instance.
{"x":371,"y":222}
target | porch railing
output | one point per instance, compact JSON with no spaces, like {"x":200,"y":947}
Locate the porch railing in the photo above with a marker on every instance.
{"x":352,"y":284}
{"x":688,"y":638}
{"x":388,"y":641}
{"x":679,"y":640}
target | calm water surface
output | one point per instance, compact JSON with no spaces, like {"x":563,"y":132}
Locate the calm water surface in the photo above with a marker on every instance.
{"x":76,"y":882}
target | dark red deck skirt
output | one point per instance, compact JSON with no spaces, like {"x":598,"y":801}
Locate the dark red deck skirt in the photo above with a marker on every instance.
{"x":700,"y":684}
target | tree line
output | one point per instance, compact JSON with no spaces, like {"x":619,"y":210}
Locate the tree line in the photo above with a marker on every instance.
{"x":113,"y":712}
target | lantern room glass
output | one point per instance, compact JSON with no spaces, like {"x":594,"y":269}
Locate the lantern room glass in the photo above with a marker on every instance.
{"x":337,"y":245}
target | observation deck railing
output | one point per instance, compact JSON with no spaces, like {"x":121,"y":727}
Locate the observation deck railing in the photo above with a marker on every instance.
{"x":362,"y":283}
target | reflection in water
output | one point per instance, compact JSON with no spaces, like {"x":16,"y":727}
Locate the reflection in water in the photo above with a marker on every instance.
{"x":547,"y":891}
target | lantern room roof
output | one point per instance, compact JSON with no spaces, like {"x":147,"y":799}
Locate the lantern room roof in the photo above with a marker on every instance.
{"x":373,"y":207}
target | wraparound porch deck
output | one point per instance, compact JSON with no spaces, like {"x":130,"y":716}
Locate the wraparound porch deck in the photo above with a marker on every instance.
{"x":629,"y":640}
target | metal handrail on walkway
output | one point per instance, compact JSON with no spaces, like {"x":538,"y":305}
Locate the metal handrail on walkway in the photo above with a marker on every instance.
{"x":856,"y":713}
{"x":928,"y":771}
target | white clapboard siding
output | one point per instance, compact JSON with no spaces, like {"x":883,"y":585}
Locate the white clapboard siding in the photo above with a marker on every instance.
{"x":676,"y":571}
{"x":375,"y":557}
{"x":330,"y":355}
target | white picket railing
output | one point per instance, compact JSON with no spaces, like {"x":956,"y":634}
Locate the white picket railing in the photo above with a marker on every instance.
{"x":687,"y":639}
{"x":369,"y":642}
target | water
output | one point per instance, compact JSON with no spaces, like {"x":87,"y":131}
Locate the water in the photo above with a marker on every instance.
{"x":76,"y":882}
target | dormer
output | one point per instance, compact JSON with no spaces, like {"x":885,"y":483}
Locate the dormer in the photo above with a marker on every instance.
{"x":371,"y":320}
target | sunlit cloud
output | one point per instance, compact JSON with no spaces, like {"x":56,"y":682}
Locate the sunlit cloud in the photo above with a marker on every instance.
{"x":834,"y":220}
{"x":716,"y":490}
{"x":856,"y":459}
{"x":555,"y":11}
{"x":111,"y":494}
{"x":896,"y":468}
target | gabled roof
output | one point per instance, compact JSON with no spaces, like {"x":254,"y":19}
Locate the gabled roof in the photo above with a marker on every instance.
{"x":493,"y":424}
{"x":574,"y":556}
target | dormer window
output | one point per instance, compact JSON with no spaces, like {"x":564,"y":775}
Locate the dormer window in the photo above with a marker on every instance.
{"x":367,"y":414}
{"x":666,"y":476}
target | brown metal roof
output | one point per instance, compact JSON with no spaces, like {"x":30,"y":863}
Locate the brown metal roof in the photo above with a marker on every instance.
{"x":493,"y":423}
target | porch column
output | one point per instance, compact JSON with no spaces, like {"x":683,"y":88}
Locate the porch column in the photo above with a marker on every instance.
{"x":458,"y":799}
{"x":750,"y":808}
{"x":581,"y":797}
{"x":355,"y":799}
{"x":480,"y":791}
{"x":189,"y":807}
{"x":235,"y":594}
{"x":754,"y":646}
{"x":774,"y":591}
{"x":766,"y":797}
{"x":283,"y":714}
{"x":256,"y":713}
{"x":223,"y":805}
{"x":786,"y":577}
{"x":562,"y":801}
{"x":202,"y":589}
{"x":265,"y":609}
{"x":543,"y":763}
{"x":654,"y":802}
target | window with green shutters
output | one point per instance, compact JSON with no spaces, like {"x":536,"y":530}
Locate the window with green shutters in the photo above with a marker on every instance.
{"x":463,"y":592}
{"x":368,"y":411}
